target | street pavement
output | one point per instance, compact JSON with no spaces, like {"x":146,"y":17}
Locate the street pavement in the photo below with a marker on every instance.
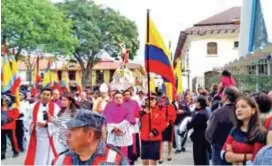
{"x":184,"y":158}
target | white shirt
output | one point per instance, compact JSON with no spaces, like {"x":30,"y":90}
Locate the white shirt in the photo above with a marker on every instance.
{"x":123,"y":140}
{"x":41,"y":131}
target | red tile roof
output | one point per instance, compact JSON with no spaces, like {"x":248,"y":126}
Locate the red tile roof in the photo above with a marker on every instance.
{"x":104,"y":64}
{"x":226,"y":17}
{"x":112,"y":65}
{"x":226,"y":21}
{"x":201,"y":30}
{"x":42,"y":64}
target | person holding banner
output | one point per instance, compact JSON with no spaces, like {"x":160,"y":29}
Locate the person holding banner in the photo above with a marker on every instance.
{"x":153,"y":123}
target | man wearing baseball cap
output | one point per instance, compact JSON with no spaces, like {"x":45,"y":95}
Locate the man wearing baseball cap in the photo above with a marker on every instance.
{"x":85,"y":143}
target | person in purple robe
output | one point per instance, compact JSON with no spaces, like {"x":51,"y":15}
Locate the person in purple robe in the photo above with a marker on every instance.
{"x":119,"y":121}
{"x":135,"y":107}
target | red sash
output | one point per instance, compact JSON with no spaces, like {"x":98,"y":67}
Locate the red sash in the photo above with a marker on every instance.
{"x":100,"y":158}
{"x":31,"y":152}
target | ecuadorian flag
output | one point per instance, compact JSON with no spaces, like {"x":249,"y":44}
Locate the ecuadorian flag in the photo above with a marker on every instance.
{"x":6,"y":73}
{"x":158,"y":59}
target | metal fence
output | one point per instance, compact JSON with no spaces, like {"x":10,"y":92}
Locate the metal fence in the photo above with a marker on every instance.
{"x":252,"y":72}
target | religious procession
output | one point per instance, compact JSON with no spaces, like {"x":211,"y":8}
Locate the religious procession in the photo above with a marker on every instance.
{"x":79,"y":86}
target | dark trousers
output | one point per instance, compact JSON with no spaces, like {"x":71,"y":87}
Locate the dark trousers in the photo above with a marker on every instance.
{"x":20,"y":134}
{"x":12,"y":137}
{"x":200,"y":152}
{"x":184,"y":139}
{"x":216,"y":158}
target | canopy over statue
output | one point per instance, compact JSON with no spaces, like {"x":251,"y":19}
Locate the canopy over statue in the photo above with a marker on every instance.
{"x":122,"y":79}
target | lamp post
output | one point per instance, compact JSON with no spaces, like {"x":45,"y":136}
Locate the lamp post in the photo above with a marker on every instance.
{"x":186,"y":73}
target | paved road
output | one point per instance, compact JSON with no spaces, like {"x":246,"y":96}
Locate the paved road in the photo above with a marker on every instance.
{"x":185,"y":158}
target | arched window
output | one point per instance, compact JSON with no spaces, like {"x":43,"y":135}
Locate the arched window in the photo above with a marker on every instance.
{"x":212,"y":48}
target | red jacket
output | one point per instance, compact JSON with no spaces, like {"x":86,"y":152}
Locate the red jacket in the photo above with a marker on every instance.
{"x":170,"y":113}
{"x":268,"y":122}
{"x":158,"y":122}
{"x":13,"y":114}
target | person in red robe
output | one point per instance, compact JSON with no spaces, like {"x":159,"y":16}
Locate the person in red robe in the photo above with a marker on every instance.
{"x":41,"y":149}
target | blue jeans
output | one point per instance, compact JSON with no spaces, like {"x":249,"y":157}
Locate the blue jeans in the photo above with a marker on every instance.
{"x":216,"y":158}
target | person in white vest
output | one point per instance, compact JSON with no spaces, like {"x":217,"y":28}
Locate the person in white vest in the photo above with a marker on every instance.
{"x":134,"y":96}
{"x":41,"y":149}
{"x":22,"y":123}
{"x":101,"y":102}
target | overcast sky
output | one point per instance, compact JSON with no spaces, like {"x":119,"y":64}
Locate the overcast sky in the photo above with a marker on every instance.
{"x":170,"y":16}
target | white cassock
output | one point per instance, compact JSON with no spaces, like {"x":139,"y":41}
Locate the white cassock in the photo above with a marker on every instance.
{"x":25,"y":108}
{"x":40,"y":152}
{"x":123,"y":140}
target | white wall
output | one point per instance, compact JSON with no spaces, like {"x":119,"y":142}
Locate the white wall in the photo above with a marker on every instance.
{"x":200,"y":62}
{"x":246,"y":10}
{"x":23,"y":76}
{"x":267,"y":12}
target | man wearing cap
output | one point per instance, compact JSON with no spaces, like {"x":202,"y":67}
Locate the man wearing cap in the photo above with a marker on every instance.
{"x":85,"y":143}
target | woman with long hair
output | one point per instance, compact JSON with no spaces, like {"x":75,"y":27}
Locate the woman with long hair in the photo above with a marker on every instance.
{"x":265,"y":106}
{"x":68,"y":110}
{"x":247,"y":137}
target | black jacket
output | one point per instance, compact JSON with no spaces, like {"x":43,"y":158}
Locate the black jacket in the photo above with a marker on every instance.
{"x":199,"y":124}
{"x":185,"y":108}
{"x":220,"y":124}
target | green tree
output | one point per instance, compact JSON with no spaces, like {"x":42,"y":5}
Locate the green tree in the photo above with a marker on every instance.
{"x":99,"y":29}
{"x":36,"y":24}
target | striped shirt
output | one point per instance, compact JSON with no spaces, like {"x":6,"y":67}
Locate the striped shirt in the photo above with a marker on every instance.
{"x":60,"y":124}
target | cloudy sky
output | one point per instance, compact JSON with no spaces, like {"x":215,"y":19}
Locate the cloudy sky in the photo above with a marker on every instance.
{"x":170,"y":16}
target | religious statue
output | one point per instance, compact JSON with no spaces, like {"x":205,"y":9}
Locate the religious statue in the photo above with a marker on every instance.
{"x":124,"y":54}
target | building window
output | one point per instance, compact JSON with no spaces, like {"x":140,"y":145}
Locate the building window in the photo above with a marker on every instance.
{"x":236,"y":44}
{"x":99,"y":76}
{"x":60,"y":75}
{"x":111,"y":74}
{"x":42,"y":75}
{"x":72,"y":75}
{"x":263,"y":67}
{"x":212,"y":48}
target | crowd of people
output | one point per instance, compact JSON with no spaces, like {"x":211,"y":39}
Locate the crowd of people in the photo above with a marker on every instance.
{"x":120,"y":127}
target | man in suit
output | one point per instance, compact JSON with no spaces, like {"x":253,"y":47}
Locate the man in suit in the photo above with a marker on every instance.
{"x":183,"y":110}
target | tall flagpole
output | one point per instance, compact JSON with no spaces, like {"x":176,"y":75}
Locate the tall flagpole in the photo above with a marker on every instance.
{"x":37,"y":76}
{"x":147,"y":67}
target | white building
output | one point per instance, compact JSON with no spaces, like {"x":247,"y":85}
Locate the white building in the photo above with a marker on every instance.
{"x":209,"y":44}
